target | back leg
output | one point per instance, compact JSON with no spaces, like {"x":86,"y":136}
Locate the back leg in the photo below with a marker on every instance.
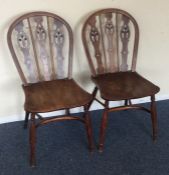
{"x":26,"y":119}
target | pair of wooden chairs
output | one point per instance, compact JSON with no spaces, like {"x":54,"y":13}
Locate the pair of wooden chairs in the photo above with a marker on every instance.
{"x":41,"y":45}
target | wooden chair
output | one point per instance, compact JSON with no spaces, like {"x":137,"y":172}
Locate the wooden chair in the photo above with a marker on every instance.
{"x":110,"y":38}
{"x":41,"y":45}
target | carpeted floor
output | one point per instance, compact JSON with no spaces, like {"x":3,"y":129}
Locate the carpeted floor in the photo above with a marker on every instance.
{"x":62,"y":147}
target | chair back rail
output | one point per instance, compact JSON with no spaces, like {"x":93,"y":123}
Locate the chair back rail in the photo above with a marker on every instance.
{"x":110,"y":38}
{"x":41,"y":44}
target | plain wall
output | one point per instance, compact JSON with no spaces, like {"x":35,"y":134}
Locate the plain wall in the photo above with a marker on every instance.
{"x":153,"y":56}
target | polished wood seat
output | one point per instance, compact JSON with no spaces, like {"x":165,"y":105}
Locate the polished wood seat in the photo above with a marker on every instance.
{"x":124,"y":85}
{"x":52,"y":95}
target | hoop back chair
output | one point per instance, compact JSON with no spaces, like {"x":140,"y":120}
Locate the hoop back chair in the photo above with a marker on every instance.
{"x":110,"y":38}
{"x":41,"y":45}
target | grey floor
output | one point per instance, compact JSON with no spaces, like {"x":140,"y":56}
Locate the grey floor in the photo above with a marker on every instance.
{"x":62,"y":147}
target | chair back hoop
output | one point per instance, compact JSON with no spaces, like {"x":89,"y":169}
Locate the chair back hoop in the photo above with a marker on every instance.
{"x":110,"y":38}
{"x":41,"y":44}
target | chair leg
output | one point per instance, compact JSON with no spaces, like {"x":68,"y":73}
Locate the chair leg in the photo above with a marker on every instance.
{"x":67,"y":111}
{"x":127,"y":102}
{"x":154,"y":117}
{"x":94,"y":95}
{"x":88,"y":125}
{"x":32,"y":140}
{"x":103,"y":127}
{"x":26,"y":119}
{"x":130,"y":103}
